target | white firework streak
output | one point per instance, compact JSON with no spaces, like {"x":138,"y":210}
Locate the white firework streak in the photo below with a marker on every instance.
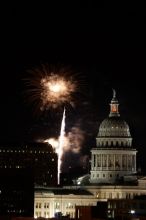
{"x":61,"y":145}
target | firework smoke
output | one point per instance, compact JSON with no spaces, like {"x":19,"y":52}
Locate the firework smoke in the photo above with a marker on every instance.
{"x":72,"y":143}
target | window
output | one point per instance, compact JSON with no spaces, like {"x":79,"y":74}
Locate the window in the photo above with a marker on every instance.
{"x":109,"y":205}
{"x":69,"y":206}
{"x":46,"y":205}
{"x":110,"y":195}
{"x":117,"y":196}
{"x":46,"y":214}
{"x":36,"y":215}
{"x":97,"y":195}
{"x":57,"y":205}
{"x":142,"y":205}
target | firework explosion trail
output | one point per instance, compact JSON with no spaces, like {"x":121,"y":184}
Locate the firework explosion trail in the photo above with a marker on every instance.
{"x":61,"y":145}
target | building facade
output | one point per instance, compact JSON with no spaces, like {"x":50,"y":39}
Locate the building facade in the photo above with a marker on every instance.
{"x":40,"y":158}
{"x":127,"y":209}
{"x":49,"y":201}
{"x":16,"y":192}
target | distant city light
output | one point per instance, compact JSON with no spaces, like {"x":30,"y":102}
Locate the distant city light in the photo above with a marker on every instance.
{"x":132,"y":211}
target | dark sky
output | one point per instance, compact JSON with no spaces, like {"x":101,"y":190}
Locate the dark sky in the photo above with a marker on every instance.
{"x":106,"y":47}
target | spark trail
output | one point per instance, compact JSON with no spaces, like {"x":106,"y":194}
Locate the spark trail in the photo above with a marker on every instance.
{"x":61,"y":145}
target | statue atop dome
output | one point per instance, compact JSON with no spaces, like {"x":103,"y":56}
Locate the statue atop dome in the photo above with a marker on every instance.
{"x":114,"y":93}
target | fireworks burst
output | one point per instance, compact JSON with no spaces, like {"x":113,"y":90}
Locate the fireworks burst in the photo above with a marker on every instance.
{"x":51,"y":87}
{"x":56,"y":90}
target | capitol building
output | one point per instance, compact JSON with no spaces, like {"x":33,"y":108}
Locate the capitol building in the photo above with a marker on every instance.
{"x":114,"y":157}
{"x":113,"y":173}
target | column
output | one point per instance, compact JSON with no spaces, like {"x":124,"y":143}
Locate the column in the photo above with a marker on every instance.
{"x":92,"y":161}
{"x":131,"y":162}
{"x":96,"y":162}
{"x":135,"y":163}
{"x":51,"y":209}
{"x":101,"y":160}
{"x":120,"y":161}
{"x":127,"y":162}
{"x":107,"y":163}
{"x":114,"y":161}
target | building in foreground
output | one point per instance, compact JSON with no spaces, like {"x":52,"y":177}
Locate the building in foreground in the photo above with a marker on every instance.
{"x":21,"y":168}
{"x":120,"y":209}
{"x":98,"y":212}
{"x":16,"y":193}
{"x":49,"y":201}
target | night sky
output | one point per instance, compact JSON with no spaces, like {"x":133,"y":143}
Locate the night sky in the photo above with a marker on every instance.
{"x":106,"y":48}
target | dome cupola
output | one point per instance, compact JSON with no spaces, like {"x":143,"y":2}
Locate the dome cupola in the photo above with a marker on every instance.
{"x":114,"y":112}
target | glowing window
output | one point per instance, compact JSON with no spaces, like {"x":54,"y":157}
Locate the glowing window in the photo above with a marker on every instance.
{"x":114,"y":108}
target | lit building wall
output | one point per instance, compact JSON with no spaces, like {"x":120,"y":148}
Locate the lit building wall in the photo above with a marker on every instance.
{"x":107,"y":165}
{"x":127,"y":208}
{"x":115,"y":191}
{"x":66,"y":202}
{"x":46,"y":204}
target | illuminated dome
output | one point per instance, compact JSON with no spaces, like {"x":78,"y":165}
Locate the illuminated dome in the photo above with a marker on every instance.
{"x":114,"y":127}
